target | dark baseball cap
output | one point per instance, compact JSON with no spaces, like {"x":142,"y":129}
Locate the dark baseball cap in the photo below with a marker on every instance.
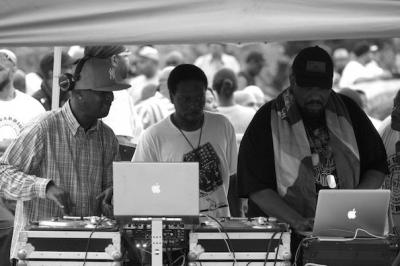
{"x":106,"y":51}
{"x":98,"y":74}
{"x":313,"y":67}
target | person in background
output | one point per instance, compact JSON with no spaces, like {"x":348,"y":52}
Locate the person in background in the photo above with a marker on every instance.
{"x":16,"y":108}
{"x":192,"y":135}
{"x":44,"y":95}
{"x":215,"y":60}
{"x":359,"y":97}
{"x":258,"y":95}
{"x":254,"y":64}
{"x":211,"y":101}
{"x":19,"y":80}
{"x":245,"y":98}
{"x":390,"y":133}
{"x":158,"y":107}
{"x":174,"y":58}
{"x":144,"y":84}
{"x":356,"y":70}
{"x":62,"y":164}
{"x":304,"y":139}
{"x":76,"y":52}
{"x":122,"y":117}
{"x":225,"y":84}
{"x":341,"y":58}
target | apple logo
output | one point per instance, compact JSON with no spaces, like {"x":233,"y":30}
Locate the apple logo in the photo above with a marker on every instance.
{"x":352,"y":214}
{"x":156,"y":188}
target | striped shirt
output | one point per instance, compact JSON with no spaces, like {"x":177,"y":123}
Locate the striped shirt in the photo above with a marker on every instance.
{"x":154,"y":109}
{"x":57,"y":148}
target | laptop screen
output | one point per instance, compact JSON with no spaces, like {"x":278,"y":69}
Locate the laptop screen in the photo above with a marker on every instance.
{"x":341,"y":212}
{"x":156,"y":189}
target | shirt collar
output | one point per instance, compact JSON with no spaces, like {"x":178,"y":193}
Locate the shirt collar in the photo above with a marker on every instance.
{"x":72,"y":123}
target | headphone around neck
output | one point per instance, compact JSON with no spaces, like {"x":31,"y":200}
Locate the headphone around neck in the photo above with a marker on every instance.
{"x":67,"y":81}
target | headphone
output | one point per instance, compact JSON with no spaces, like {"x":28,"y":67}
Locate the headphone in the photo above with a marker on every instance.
{"x":67,"y":81}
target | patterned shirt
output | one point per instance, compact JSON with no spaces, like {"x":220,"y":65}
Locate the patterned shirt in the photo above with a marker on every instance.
{"x":57,"y":148}
{"x":322,"y":156}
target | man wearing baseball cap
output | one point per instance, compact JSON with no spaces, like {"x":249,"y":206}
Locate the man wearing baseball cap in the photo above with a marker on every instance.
{"x":62,"y":164}
{"x":308,"y":138}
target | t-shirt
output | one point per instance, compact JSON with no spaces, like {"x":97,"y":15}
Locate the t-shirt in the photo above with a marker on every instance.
{"x":16,"y":113}
{"x":138,"y":84}
{"x":239,"y":116}
{"x":256,"y":166}
{"x":351,"y":72}
{"x":122,"y":117}
{"x":391,"y":140}
{"x":217,"y":153}
{"x":154,"y":109}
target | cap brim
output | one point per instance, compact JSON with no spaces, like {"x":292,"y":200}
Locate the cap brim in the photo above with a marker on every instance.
{"x":116,"y":87}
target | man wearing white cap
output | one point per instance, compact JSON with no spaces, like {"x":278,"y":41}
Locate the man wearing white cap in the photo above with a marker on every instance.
{"x":16,"y":108}
{"x":62,"y":164}
{"x":144,"y":86}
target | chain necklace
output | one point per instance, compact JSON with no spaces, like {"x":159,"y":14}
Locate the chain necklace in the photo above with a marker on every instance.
{"x":187,"y":140}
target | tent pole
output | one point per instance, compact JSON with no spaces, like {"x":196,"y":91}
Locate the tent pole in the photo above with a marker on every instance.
{"x":55,"y":98}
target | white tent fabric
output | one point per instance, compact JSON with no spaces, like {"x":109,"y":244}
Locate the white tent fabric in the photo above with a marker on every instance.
{"x":67,"y":22}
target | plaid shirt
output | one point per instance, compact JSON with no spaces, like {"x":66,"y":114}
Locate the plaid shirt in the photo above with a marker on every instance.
{"x":57,"y":148}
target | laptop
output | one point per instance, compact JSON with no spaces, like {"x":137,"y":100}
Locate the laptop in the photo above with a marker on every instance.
{"x":156,"y":190}
{"x":341,"y":212}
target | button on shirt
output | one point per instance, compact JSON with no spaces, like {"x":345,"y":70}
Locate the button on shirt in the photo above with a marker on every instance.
{"x":57,"y":148}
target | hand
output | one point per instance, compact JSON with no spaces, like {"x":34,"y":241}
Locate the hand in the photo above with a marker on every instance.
{"x":60,"y":197}
{"x":244,"y":207}
{"x":106,"y":204}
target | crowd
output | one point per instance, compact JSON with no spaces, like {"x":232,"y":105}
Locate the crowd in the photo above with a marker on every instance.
{"x":261,"y":152}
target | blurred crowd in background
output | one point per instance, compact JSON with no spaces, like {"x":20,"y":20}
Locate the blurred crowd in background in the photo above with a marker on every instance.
{"x":241,"y":78}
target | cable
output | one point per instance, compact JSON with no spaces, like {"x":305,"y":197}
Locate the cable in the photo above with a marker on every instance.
{"x":142,"y":249}
{"x":298,"y":248}
{"x":175,"y":261}
{"x":269,"y":247}
{"x":231,"y":251}
{"x":277,"y":250}
{"x":356,"y":233}
{"x":90,"y":237}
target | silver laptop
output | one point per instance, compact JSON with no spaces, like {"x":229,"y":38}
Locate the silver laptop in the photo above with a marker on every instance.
{"x":341,"y":212}
{"x":156,"y":190}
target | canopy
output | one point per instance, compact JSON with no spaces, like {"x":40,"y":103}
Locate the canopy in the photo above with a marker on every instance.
{"x":67,"y":22}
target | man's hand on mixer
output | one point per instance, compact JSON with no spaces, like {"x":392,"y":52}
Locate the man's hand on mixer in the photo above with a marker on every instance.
{"x":106,"y":204}
{"x":60,"y":197}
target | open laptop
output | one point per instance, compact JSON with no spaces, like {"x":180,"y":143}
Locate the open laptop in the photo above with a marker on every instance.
{"x":156,"y":190}
{"x":341,"y":212}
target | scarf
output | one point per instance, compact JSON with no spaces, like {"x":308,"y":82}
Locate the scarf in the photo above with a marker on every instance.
{"x":293,"y":160}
